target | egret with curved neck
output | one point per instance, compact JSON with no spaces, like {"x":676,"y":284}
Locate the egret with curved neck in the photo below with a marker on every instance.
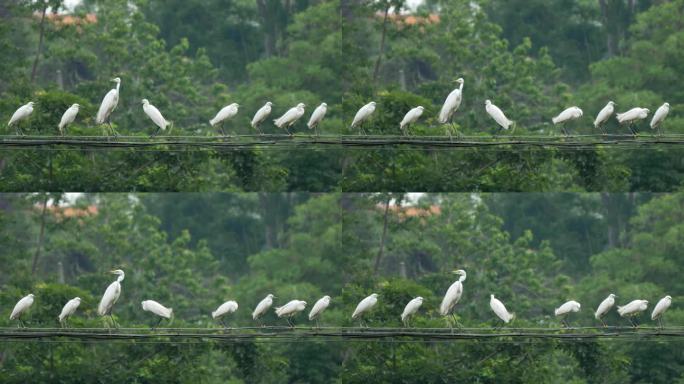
{"x":453,"y":296}
{"x":111,"y":295}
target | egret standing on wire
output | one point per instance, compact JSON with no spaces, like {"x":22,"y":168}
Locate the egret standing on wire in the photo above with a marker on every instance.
{"x":632,"y":310}
{"x":364,"y":306}
{"x":290,"y":117}
{"x":453,"y":296}
{"x":67,"y":118}
{"x":153,"y":113}
{"x":158,"y":309}
{"x":604,"y":307}
{"x":410,"y":118}
{"x":604,"y":115}
{"x":318,"y":308}
{"x":224,"y":114}
{"x":565,"y":310}
{"x":21,"y":307}
{"x":497,"y":114}
{"x":68,"y":310}
{"x":632,"y":116}
{"x":109,"y":103}
{"x":660,"y":309}
{"x":362,"y":115}
{"x":20,"y":114}
{"x":260,"y":116}
{"x":572,"y":113}
{"x":451,"y":104}
{"x":411,"y":308}
{"x":110,"y":296}
{"x":317,"y":116}
{"x":289,"y":310}
{"x":223,"y":310}
{"x":500,"y":309}
{"x":659,"y":116}
{"x":262,"y":307}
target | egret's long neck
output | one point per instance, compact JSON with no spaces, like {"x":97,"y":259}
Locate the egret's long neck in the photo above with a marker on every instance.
{"x":118,"y":84}
{"x":460,"y":87}
{"x":462,"y":278}
{"x":120,"y":278}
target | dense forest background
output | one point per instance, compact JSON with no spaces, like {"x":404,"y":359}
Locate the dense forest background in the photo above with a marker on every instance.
{"x":191,"y":57}
{"x":194,"y":251}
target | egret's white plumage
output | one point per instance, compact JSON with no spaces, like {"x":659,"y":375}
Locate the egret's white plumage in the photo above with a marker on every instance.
{"x":605,"y":306}
{"x":452,"y":102}
{"x":571,"y":113}
{"x":261,"y":115}
{"x":227,"y":112}
{"x":410,"y":309}
{"x":317,"y":116}
{"x":109,"y":103}
{"x":497,"y":114}
{"x":365,"y":305}
{"x":21,"y":113}
{"x":153,"y":113}
{"x":111,"y":294}
{"x":290,"y":117}
{"x":21,"y":307}
{"x":633,"y":308}
{"x":363,"y":114}
{"x":68,"y":117}
{"x":411,"y":117}
{"x":500,"y":309}
{"x":158,"y":309}
{"x":660,"y":115}
{"x":320,"y":306}
{"x":263,"y":306}
{"x":69,"y":309}
{"x":632,"y":115}
{"x":291,"y":308}
{"x":661,"y":307}
{"x":566,"y":309}
{"x":224,"y":309}
{"x":604,"y":114}
{"x":453,"y":294}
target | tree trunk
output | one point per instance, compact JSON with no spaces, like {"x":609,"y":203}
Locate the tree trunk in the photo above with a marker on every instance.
{"x":41,"y":237}
{"x":381,"y":251}
{"x":34,"y":71}
{"x":376,"y":71}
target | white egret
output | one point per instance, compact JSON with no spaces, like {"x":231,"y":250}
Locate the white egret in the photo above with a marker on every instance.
{"x":659,"y":116}
{"x":411,"y":117}
{"x":20,"y":114}
{"x":260,"y":116}
{"x":289,"y":310}
{"x":109,"y":103}
{"x":500,"y":309}
{"x":604,"y":115}
{"x":224,"y":114}
{"x":660,"y":308}
{"x":110,"y":296}
{"x":632,"y":310}
{"x":317,"y":116}
{"x":411,"y":308}
{"x":364,"y":306}
{"x":497,"y":114}
{"x":572,"y":113}
{"x":153,"y":113}
{"x":632,"y":116}
{"x":262,"y":307}
{"x":318,"y":308}
{"x":68,"y":310}
{"x":68,"y":117}
{"x":158,"y":309}
{"x":451,"y":104}
{"x":565,"y":310}
{"x":603,"y":308}
{"x":362,"y":115}
{"x":453,"y":295}
{"x":223,"y":310}
{"x":21,"y":307}
{"x":290,"y":117}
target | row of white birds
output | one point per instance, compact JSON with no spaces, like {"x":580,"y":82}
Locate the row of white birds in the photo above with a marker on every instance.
{"x":289,"y":118}
{"x":292,"y":308}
